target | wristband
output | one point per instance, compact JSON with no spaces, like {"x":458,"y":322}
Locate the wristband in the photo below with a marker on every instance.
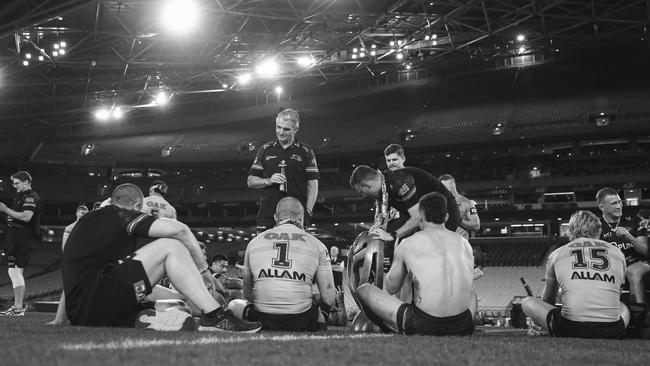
{"x":394,"y":235}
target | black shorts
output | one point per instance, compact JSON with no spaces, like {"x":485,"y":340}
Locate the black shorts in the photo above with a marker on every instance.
{"x":411,"y":320}
{"x":561,"y":327}
{"x":303,"y":322}
{"x":20,"y":245}
{"x":115,"y":296}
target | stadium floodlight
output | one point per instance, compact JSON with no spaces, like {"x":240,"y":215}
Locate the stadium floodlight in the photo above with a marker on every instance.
{"x":267,"y":68}
{"x":55,"y":53}
{"x":179,"y":16}
{"x":305,"y":61}
{"x":521,"y":38}
{"x":162,"y":98}
{"x":224,"y":85}
{"x":373,"y":53}
{"x":41,"y":58}
{"x":63,"y":44}
{"x":28,"y":56}
{"x":278,"y":90}
{"x":392,"y":43}
{"x":362,"y":54}
{"x":245,"y":78}
{"x":62,"y":52}
{"x":427,"y":37}
{"x":117,"y":113}
{"x":354,"y":56}
{"x":55,"y":46}
{"x":399,"y":56}
{"x":522,"y":49}
{"x":408,"y":66}
{"x":25,"y":63}
{"x":102,"y":114}
{"x":355,"y":50}
{"x":373,"y":46}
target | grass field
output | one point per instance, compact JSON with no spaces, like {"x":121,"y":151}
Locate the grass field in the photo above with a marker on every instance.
{"x":28,"y":341}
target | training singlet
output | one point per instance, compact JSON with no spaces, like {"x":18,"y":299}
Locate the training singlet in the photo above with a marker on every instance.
{"x":283,"y":262}
{"x":158,"y":207}
{"x":590,"y":273}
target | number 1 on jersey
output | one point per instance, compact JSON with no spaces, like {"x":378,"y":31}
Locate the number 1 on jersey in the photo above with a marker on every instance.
{"x":281,"y":260}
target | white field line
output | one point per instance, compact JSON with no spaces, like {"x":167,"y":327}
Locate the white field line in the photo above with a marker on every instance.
{"x":132,"y":343}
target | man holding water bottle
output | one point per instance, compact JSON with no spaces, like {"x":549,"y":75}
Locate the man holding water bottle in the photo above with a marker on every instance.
{"x":284,"y":167}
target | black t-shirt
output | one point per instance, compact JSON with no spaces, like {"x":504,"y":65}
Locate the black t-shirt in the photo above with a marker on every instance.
{"x":635,"y":226}
{"x":25,"y":201}
{"x":406,"y":186}
{"x":301,"y":167}
{"x":100,"y":237}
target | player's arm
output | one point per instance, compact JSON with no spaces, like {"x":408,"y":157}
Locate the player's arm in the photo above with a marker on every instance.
{"x":24,"y":216}
{"x":640,"y":242}
{"x":174,"y":217}
{"x":61,"y":316}
{"x":410,"y":226}
{"x":247,"y":279}
{"x":167,"y":228}
{"x":312,"y":194}
{"x":551,"y":286}
{"x":470,"y":221}
{"x":232,"y":283}
{"x":325,"y":279}
{"x":397,"y":273}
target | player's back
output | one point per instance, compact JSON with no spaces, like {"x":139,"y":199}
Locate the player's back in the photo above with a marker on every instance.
{"x":590,"y":273}
{"x":283,"y":262}
{"x":158,"y":207}
{"x":442,"y":263}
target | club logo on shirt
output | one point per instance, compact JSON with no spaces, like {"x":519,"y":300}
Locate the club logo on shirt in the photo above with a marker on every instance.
{"x":296,"y":157}
{"x":404,"y":189}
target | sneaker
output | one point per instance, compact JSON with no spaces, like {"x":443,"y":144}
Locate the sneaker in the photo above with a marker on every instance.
{"x":226,"y":321}
{"x":14,"y":311}
{"x":170,"y":319}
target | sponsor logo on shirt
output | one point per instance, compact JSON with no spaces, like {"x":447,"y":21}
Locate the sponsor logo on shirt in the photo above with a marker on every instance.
{"x":296,"y":157}
{"x":269,"y":157}
{"x":404,"y":189}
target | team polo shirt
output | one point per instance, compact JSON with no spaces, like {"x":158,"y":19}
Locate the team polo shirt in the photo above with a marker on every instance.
{"x":590,"y":273}
{"x":301,"y":167}
{"x":158,"y":207}
{"x":100,"y":237}
{"x":283,"y":262}
{"x":635,"y":226}
{"x":406,"y":186}
{"x":25,"y":201}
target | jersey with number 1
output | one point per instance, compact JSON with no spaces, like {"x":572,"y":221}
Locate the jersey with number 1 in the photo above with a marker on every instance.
{"x":590,"y":273}
{"x":283,"y":262}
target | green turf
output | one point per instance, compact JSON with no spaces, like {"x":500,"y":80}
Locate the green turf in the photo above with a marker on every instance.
{"x":27,"y":341}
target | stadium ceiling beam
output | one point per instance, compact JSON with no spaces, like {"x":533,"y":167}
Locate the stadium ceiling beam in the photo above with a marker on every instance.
{"x":39,"y":14}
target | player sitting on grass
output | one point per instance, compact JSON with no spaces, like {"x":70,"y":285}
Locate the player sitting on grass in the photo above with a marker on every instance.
{"x":442,"y":263}
{"x":590,"y":273}
{"x":280,"y":266}
{"x":106,"y":279}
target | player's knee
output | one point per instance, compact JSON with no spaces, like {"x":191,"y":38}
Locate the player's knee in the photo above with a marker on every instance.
{"x":238,"y":306}
{"x":527,"y":304}
{"x":364,"y":291}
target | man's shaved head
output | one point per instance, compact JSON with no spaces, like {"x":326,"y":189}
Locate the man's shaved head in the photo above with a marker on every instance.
{"x":289,"y":208}
{"x":127,"y":196}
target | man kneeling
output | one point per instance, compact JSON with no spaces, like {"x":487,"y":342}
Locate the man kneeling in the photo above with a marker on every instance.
{"x":590,"y":273}
{"x":280,"y":266}
{"x":442,"y":263}
{"x":106,"y":280}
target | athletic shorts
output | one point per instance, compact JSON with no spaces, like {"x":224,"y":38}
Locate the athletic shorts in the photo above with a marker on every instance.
{"x":561,"y":327}
{"x":303,"y":322}
{"x":115,"y":296}
{"x":411,"y":320}
{"x":20,"y":245}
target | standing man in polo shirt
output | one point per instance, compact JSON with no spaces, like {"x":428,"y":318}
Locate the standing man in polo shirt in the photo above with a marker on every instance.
{"x":284,"y":167}
{"x":22,"y":227}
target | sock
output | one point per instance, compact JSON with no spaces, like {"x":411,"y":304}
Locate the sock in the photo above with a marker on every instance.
{"x":638,"y":313}
{"x":214,"y":312}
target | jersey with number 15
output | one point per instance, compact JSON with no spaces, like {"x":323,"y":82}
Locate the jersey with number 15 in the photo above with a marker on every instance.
{"x":283,"y":262}
{"x":590,"y":273}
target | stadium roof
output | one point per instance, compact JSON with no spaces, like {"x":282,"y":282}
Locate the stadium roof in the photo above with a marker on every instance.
{"x":119,"y":55}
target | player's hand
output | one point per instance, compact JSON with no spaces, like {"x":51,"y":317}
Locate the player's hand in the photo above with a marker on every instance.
{"x":213,"y":284}
{"x":278,"y":178}
{"x":621,"y":231}
{"x":3,"y":207}
{"x":381,"y":234}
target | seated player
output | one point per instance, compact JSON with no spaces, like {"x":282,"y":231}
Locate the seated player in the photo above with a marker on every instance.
{"x":589,"y":272}
{"x":106,"y":280}
{"x":280,"y":266}
{"x":441,"y":263}
{"x":232,"y":287}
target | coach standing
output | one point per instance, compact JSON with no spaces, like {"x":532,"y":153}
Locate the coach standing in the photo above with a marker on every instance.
{"x":22,"y":227}
{"x":282,"y":168}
